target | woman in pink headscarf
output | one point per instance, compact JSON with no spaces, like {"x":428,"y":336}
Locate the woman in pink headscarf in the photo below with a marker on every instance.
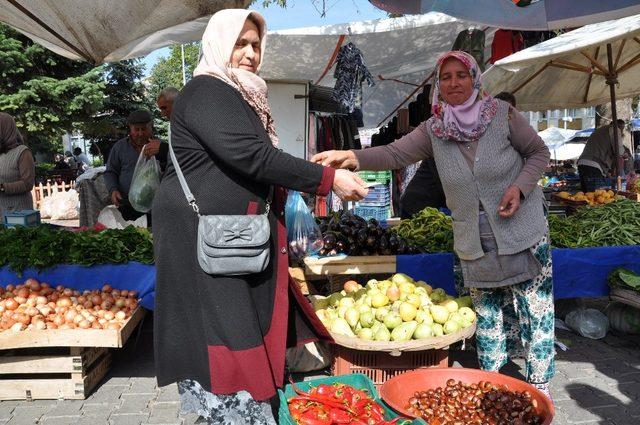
{"x":223,"y":338}
{"x":489,"y":160}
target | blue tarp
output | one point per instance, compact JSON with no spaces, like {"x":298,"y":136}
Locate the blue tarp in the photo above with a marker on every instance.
{"x":435,"y":269}
{"x":130,"y":276}
{"x":582,"y":272}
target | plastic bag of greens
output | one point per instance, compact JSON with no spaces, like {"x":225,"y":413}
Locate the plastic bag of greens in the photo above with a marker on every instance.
{"x":145,"y":182}
{"x":588,"y":322}
{"x":303,"y":233}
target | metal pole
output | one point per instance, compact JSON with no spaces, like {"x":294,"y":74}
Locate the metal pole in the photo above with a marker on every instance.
{"x":612,"y":80}
{"x":184,"y":74}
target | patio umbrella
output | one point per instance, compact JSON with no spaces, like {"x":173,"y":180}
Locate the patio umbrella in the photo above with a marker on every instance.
{"x":538,"y":15}
{"x":109,"y":30}
{"x":589,"y":66}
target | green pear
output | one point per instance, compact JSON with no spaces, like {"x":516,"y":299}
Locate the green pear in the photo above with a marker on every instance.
{"x":407,"y":312}
{"x":381,"y":313}
{"x":467,"y":314}
{"x":382,"y":334}
{"x":439,"y":313}
{"x":404,"y":332}
{"x":423,"y":330}
{"x":340,"y":326}
{"x":438,"y":330}
{"x":366,"y":319}
{"x":392,"y":320}
{"x":451,"y":327}
{"x":352,"y":316}
{"x":366,"y":334}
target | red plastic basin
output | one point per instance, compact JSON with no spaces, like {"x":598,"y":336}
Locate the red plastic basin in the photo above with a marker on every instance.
{"x":397,"y":391}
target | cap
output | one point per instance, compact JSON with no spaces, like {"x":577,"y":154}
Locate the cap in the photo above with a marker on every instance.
{"x":141,"y":116}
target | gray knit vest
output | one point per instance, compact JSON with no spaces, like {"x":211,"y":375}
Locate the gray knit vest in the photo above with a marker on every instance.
{"x":496,"y":167}
{"x":9,"y":172}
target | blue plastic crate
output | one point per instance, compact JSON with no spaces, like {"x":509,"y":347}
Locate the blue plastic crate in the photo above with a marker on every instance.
{"x":21,"y":218}
{"x":377,"y":212}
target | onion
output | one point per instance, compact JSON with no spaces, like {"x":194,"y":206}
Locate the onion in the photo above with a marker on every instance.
{"x":53,"y":297}
{"x":109,"y":315}
{"x":79,"y":318}
{"x":120,"y":303}
{"x":22,"y":318}
{"x":41,"y":300}
{"x":32,"y":311}
{"x":103,"y":322}
{"x":51,"y":325}
{"x":64,"y":301}
{"x":87,"y":304}
{"x":124,"y":293}
{"x":40,"y":325}
{"x":67,"y":326}
{"x":17,"y":327}
{"x":106,"y":288}
{"x":11,"y":304}
{"x":82,"y":299}
{"x":20,"y":300}
{"x":59,"y":288}
{"x":121,"y":315}
{"x":10,"y":288}
{"x":31,"y":302}
{"x":23,"y":292}
{"x":45,"y":310}
{"x":106,"y":305}
{"x":58,"y":320}
{"x":45,"y":285}
{"x":95,"y":299}
{"x":69,"y":316}
{"x":96,"y":325}
{"x":115,"y":293}
{"x":113,"y":325}
{"x":84,"y":324}
{"x":32,"y":284}
{"x":67,"y":292}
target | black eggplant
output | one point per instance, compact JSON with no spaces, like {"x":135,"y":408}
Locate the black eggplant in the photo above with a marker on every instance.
{"x":371,"y":241}
{"x":362,"y":237}
{"x":329,"y":241}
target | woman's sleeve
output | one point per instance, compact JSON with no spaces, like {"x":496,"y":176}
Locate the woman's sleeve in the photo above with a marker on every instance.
{"x":525,"y":140}
{"x":227,"y":131}
{"x":405,"y":151}
{"x":27,"y":169}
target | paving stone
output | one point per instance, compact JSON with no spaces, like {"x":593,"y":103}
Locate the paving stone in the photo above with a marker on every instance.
{"x":117,"y":380}
{"x":575,"y":413}
{"x":143,"y":386}
{"x":190,"y":419}
{"x":22,"y":420}
{"x":65,"y":408}
{"x":135,"y":403}
{"x":107,"y":394}
{"x":168,"y":393}
{"x":90,"y":408}
{"x":133,"y":419}
{"x":6,"y":407}
{"x":94,"y":418}
{"x":164,"y":415}
{"x":60,"y":420}
{"x":29,"y":412}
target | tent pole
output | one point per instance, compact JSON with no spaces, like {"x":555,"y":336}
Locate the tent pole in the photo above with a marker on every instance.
{"x":612,"y":80}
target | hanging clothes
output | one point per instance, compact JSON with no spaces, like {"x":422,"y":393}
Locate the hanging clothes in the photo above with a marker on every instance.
{"x":505,"y":43}
{"x":472,"y":42}
{"x":350,"y":73}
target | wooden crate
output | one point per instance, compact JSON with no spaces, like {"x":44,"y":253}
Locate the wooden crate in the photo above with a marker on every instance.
{"x":52,"y":373}
{"x":329,"y":266}
{"x":111,"y":338}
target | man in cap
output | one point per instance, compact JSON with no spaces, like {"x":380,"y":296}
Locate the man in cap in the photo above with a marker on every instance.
{"x":124,"y":156}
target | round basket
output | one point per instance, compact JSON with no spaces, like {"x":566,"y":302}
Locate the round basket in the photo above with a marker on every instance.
{"x":395,"y":348}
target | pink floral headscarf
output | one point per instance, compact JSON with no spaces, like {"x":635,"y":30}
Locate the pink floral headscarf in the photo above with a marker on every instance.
{"x":218,"y":42}
{"x":466,"y":122}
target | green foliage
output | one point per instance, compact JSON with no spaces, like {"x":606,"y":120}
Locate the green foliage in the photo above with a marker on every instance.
{"x":124,"y":92}
{"x":42,"y":247}
{"x":47,"y":94}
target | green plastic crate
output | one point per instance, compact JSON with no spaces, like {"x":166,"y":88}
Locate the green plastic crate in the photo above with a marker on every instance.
{"x":375,"y":176}
{"x":356,"y":380}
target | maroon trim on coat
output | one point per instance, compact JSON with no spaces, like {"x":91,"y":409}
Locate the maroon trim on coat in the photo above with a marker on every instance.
{"x":252,"y":209}
{"x":326,"y":183}
{"x":259,"y":370}
{"x":309,"y":312}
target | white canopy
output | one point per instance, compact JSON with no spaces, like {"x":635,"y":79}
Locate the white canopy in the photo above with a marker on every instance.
{"x":571,"y":70}
{"x":555,"y":137}
{"x":110,"y":30}
{"x":404,"y":49}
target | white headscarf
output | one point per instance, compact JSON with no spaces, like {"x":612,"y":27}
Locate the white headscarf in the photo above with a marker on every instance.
{"x":218,"y":42}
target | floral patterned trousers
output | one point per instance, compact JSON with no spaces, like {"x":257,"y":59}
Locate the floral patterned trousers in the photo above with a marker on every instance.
{"x":518,"y":321}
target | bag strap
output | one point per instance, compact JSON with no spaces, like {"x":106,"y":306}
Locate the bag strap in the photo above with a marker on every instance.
{"x":185,"y":187}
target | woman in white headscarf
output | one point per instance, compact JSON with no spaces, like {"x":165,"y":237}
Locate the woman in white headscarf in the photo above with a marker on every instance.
{"x":223,"y":338}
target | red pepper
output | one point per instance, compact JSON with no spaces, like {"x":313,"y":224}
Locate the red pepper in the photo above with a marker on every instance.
{"x":338,"y":416}
{"x":319,"y":399}
{"x":326,"y":390}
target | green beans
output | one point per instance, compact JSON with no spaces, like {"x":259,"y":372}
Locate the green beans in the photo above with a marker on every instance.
{"x":429,"y":229}
{"x":617,"y":223}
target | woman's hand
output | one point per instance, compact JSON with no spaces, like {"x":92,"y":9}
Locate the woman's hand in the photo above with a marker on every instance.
{"x":510,"y":202}
{"x":348,"y":186}
{"x":336,"y":159}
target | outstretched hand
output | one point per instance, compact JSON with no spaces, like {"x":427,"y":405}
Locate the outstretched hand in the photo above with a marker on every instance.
{"x":348,"y":186}
{"x":336,"y":159}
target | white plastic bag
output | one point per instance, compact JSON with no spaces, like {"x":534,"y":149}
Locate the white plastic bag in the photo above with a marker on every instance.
{"x":111,"y":218}
{"x":588,"y":322}
{"x":145,"y":182}
{"x":60,"y":206}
